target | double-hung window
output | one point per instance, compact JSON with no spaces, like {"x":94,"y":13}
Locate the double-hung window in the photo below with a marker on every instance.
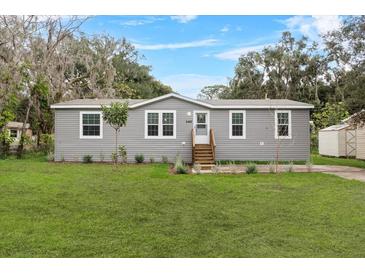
{"x":160,"y":124}
{"x":91,"y":125}
{"x":237,"y":124}
{"x":282,"y":124}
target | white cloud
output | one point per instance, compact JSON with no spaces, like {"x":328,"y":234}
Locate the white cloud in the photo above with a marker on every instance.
{"x":325,"y":24}
{"x":191,"y":44}
{"x":234,"y":54}
{"x":183,"y":18}
{"x":135,"y":22}
{"x":191,"y":84}
{"x":225,"y":29}
{"x":313,"y":26}
{"x":138,"y":22}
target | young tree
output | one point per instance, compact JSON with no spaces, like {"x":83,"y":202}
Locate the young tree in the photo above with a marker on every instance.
{"x":116,"y":115}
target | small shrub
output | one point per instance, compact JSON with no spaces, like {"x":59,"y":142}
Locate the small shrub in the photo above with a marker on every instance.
{"x":50,"y":157}
{"x":139,"y":158}
{"x":180,"y":167}
{"x":47,"y":143}
{"x":309,"y":165}
{"x":290,"y":167}
{"x":87,"y":159}
{"x":62,"y":158}
{"x":152,"y":160}
{"x":114,"y":157}
{"x":165,"y":160}
{"x":251,"y":168}
{"x":123,"y":153}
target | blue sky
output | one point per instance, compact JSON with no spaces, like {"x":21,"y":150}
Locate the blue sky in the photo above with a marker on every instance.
{"x":190,"y":52}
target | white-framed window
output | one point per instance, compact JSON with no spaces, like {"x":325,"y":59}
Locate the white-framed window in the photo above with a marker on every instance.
{"x":160,"y":124}
{"x":91,"y":125}
{"x":237,"y":124}
{"x":282,"y":124}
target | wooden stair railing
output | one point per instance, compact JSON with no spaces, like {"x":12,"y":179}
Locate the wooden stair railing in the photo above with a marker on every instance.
{"x":193,"y":144}
{"x":203,"y":154}
{"x":212,"y":142}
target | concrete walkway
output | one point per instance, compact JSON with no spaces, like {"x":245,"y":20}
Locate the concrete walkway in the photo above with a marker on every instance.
{"x":351,"y":173}
{"x":341,"y":171}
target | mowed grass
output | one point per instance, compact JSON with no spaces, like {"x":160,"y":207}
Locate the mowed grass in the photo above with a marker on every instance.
{"x":95,"y":210}
{"x":334,"y":161}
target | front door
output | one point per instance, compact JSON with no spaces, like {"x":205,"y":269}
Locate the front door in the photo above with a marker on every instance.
{"x":201,"y":126}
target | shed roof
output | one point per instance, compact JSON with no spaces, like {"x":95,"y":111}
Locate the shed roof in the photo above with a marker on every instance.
{"x":14,"y":124}
{"x":335,"y":127}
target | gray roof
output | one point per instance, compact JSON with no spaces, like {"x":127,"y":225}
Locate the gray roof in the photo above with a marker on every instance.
{"x":97,"y":102}
{"x":239,"y":103}
{"x":255,"y":102}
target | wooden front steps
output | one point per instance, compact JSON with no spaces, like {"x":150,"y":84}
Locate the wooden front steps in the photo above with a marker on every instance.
{"x":204,"y":154}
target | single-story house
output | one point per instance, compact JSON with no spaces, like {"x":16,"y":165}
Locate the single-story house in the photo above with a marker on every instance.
{"x":342,"y":140}
{"x":15,"y":129}
{"x":200,"y":131}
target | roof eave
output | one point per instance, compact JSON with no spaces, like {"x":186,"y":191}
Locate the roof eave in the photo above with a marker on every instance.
{"x":212,"y":107}
{"x":262,"y":107}
{"x":187,"y":99}
{"x":175,"y":95}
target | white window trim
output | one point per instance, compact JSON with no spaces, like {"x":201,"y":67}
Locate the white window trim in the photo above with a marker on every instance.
{"x":244,"y":124}
{"x":101,"y":125}
{"x":160,"y":124}
{"x":276,"y":124}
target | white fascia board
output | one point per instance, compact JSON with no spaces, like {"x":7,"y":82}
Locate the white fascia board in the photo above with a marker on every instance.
{"x":168,"y":96}
{"x":262,"y":107}
{"x":208,"y":106}
{"x":75,"y":106}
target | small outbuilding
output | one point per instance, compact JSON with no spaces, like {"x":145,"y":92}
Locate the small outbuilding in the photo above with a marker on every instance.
{"x":338,"y":141}
{"x":343,"y":140}
{"x":15,"y":129}
{"x":360,"y":144}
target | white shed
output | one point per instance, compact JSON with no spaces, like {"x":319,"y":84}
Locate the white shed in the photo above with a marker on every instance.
{"x":360,"y":143}
{"x":338,"y":140}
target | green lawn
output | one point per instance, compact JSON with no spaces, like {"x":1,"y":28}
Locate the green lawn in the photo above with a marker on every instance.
{"x":95,"y":210}
{"x":322,"y":160}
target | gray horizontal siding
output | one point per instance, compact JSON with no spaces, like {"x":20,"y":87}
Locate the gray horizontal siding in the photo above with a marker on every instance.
{"x":260,"y":127}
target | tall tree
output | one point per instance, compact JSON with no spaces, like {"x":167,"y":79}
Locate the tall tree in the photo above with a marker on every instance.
{"x":346,"y":51}
{"x":214,"y":92}
{"x":291,"y":69}
{"x":46,"y":59}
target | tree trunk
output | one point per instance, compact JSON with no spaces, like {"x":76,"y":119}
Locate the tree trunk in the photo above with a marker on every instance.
{"x":277,"y":157}
{"x":21,"y":142}
{"x":38,"y":137}
{"x":116,"y":146}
